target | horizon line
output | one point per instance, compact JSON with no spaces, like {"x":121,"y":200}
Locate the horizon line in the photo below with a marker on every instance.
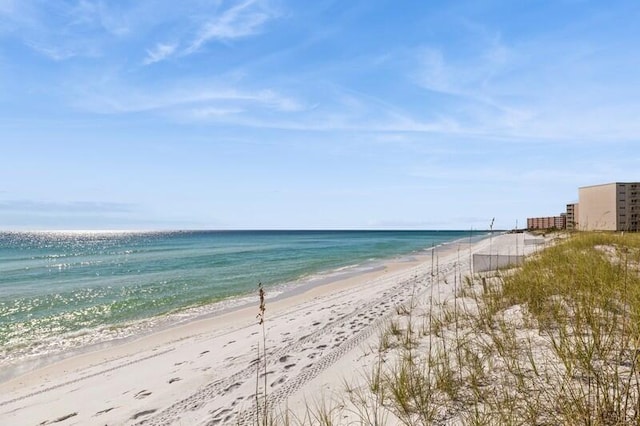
{"x":247,"y":230}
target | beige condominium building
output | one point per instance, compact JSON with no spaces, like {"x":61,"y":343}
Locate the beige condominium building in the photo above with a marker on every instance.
{"x":609,"y":207}
{"x":547,"y":222}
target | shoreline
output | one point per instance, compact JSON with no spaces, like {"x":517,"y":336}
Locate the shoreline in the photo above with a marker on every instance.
{"x":134,"y":330}
{"x":218,"y":349}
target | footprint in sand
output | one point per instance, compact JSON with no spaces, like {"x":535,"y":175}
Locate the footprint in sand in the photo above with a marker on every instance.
{"x":106,"y":410}
{"x":231,"y":387}
{"x":142,"y":394}
{"x":279,"y":381}
{"x":220,"y":412}
{"x":59,"y":419}
{"x":143,"y":413}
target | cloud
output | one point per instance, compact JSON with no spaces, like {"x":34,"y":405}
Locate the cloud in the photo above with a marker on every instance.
{"x":100,"y":223}
{"x":15,"y":13}
{"x":54,"y":207}
{"x":241,"y":20}
{"x":530,"y":89}
{"x":56,"y":53}
{"x":338,"y":110}
{"x":7,"y":7}
{"x":160,"y":52}
{"x":57,"y":30}
{"x":434,"y":74}
{"x":476,"y":84}
{"x":214,"y":112}
{"x":539,"y":170}
{"x":192,"y":100}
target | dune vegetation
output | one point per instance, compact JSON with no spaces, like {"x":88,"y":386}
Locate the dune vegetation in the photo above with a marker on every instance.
{"x":555,"y":341}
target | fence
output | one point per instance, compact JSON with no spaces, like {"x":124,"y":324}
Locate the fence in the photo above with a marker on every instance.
{"x":491,"y":262}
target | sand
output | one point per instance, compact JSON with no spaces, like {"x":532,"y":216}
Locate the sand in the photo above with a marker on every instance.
{"x":205,"y":372}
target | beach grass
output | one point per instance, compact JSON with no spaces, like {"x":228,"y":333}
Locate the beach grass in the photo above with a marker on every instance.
{"x":555,"y":341}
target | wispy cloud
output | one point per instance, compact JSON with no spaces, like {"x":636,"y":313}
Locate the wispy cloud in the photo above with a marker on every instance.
{"x":160,"y":52}
{"x":516,"y":174}
{"x":472,"y":85}
{"x":48,"y":207}
{"x":240,"y":20}
{"x":337,"y":110}
{"x":495,"y":87}
{"x":529,"y":89}
{"x":53,"y":52}
{"x":433,"y":73}
{"x":201,"y":100}
{"x":99,"y":15}
{"x":15,"y":14}
{"x":207,"y":113}
{"x":59,"y":30}
{"x":7,"y":7}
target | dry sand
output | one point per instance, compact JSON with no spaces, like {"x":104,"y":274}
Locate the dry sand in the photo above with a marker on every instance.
{"x":204,"y":372}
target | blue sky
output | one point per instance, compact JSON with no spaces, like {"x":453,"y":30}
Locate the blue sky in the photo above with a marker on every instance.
{"x":325,"y":114}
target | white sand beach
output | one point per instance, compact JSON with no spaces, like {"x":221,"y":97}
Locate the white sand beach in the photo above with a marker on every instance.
{"x":204,"y":372}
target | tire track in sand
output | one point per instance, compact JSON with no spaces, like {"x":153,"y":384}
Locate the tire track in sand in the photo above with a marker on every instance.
{"x":376,"y":311}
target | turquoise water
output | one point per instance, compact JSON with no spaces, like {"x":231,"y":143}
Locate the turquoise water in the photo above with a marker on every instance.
{"x":61,"y":290}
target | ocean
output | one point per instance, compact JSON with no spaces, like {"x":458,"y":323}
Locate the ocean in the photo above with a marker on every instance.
{"x":65,"y":291}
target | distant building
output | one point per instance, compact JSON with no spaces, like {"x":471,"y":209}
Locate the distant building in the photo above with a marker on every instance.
{"x":609,"y":207}
{"x":547,"y":222}
{"x":572,"y":216}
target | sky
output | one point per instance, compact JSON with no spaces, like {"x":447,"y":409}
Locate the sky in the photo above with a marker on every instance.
{"x":280,"y":114}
